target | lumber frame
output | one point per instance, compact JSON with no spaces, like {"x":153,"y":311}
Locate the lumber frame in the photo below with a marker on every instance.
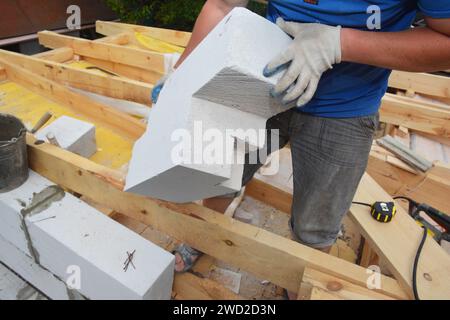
{"x":175,"y":37}
{"x":393,"y":242}
{"x":116,"y":120}
{"x":250,"y":248}
{"x":415,"y":115}
{"x":111,"y":86}
{"x":424,"y":83}
{"x":334,"y":288}
{"x":107,"y":51}
{"x":57,"y":55}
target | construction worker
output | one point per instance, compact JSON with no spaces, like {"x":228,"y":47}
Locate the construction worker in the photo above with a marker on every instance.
{"x":337,"y":70}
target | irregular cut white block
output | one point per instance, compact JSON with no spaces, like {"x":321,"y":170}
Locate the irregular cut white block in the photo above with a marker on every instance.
{"x":62,"y":234}
{"x":72,"y":134}
{"x":220,"y":85}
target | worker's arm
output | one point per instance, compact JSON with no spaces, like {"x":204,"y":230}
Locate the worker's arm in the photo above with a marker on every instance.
{"x":317,"y":47}
{"x":417,"y":50}
{"x":212,"y":13}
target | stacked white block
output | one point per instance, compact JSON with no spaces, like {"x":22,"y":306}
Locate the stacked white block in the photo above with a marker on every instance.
{"x":71,"y":134}
{"x":219,"y":87}
{"x":69,"y":250}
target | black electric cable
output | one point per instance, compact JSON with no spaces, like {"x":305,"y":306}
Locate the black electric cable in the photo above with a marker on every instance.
{"x":416,"y":262}
{"x":405,"y":198}
{"x":419,"y":250}
{"x":362,"y":204}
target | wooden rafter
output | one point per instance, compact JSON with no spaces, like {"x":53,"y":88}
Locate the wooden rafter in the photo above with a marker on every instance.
{"x":245,"y":246}
{"x":111,"y":86}
{"x":334,"y":288}
{"x":394,"y":241}
{"x":116,"y":120}
{"x":424,"y":83}
{"x":105,"y":51}
{"x":175,"y":37}
{"x":413,"y":114}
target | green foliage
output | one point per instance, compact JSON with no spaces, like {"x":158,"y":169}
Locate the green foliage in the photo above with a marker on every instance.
{"x":172,"y":14}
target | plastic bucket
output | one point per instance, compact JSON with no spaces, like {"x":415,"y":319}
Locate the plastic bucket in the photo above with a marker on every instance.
{"x":13,"y":153}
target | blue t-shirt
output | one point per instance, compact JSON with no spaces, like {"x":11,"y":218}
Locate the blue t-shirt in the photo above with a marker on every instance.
{"x":351,"y":89}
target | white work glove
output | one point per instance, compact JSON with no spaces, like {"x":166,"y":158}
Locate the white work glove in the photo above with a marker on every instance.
{"x":314,"y":50}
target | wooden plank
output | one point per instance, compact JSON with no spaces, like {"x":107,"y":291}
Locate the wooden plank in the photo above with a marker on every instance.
{"x":137,"y":74}
{"x":244,"y":246}
{"x":368,"y":256}
{"x":337,"y":288}
{"x":190,"y":287}
{"x":57,"y":55}
{"x":426,"y":83}
{"x":103,"y":84}
{"x":415,"y":115}
{"x":116,"y":120}
{"x":106,"y":51}
{"x":397,"y":243}
{"x":432,"y":188}
{"x":276,"y":197}
{"x":175,"y":37}
{"x":393,"y":242}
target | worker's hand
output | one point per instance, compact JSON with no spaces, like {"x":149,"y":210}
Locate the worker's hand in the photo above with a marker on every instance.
{"x":159,"y":85}
{"x":315,"y":49}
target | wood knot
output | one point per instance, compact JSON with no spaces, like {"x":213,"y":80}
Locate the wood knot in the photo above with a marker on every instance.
{"x":144,"y":212}
{"x":229,"y":243}
{"x":427,"y":277}
{"x":334,"y":286}
{"x":80,"y":173}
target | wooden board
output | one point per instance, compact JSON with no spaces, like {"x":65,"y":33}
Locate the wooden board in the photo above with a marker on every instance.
{"x":106,"y":51}
{"x":421,"y":83}
{"x":397,"y":243}
{"x":81,"y":104}
{"x":393,"y":242}
{"x":335,"y":288}
{"x":241,"y":245}
{"x":96,"y":82}
{"x":415,"y":115}
{"x":175,"y":37}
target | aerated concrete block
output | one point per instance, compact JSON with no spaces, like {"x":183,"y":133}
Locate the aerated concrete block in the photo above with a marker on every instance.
{"x":72,"y":134}
{"x":52,"y":239}
{"x":220,"y":86}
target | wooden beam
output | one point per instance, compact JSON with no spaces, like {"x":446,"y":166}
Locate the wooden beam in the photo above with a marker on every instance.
{"x":116,"y":120}
{"x":57,"y":55}
{"x":244,"y":246}
{"x":3,"y":75}
{"x":397,"y":243}
{"x":103,"y":84}
{"x":412,"y":114}
{"x":137,"y":74}
{"x":337,"y":288}
{"x":190,"y":287}
{"x":175,"y":37}
{"x":393,"y":242}
{"x":425,"y":83}
{"x":432,"y":187}
{"x":106,"y":51}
